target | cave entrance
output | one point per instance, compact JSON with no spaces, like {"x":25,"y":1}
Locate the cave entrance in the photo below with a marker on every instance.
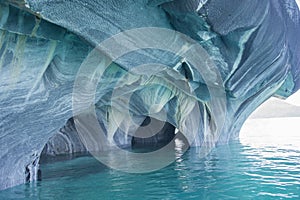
{"x":161,"y":134}
{"x":66,"y":143}
{"x":67,"y":140}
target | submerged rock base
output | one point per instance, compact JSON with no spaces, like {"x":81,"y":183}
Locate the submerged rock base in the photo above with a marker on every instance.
{"x":254,"y":45}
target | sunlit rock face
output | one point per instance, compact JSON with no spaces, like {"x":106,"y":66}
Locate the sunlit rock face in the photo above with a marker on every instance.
{"x":253,"y":43}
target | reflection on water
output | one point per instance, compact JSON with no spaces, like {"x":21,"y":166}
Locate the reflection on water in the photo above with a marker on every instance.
{"x":261,"y":166}
{"x":272,"y":132}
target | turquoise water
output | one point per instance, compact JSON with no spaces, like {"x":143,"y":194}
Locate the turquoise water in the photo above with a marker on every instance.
{"x":239,"y":170}
{"x":229,"y":172}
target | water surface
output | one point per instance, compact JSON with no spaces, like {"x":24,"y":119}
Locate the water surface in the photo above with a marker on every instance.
{"x":254,"y":168}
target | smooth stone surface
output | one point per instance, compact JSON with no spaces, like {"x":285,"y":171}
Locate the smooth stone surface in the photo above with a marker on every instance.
{"x":254,"y":44}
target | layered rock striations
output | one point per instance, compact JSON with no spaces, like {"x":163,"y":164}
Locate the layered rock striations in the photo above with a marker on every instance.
{"x":254,"y":44}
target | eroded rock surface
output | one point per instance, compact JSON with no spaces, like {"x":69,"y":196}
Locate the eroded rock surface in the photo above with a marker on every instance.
{"x":254,"y":44}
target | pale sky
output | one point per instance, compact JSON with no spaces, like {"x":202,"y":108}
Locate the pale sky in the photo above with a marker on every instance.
{"x":294,"y":99}
{"x":272,"y":128}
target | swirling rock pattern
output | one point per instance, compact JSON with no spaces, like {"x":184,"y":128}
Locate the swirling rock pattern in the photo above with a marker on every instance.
{"x":254,"y":44}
